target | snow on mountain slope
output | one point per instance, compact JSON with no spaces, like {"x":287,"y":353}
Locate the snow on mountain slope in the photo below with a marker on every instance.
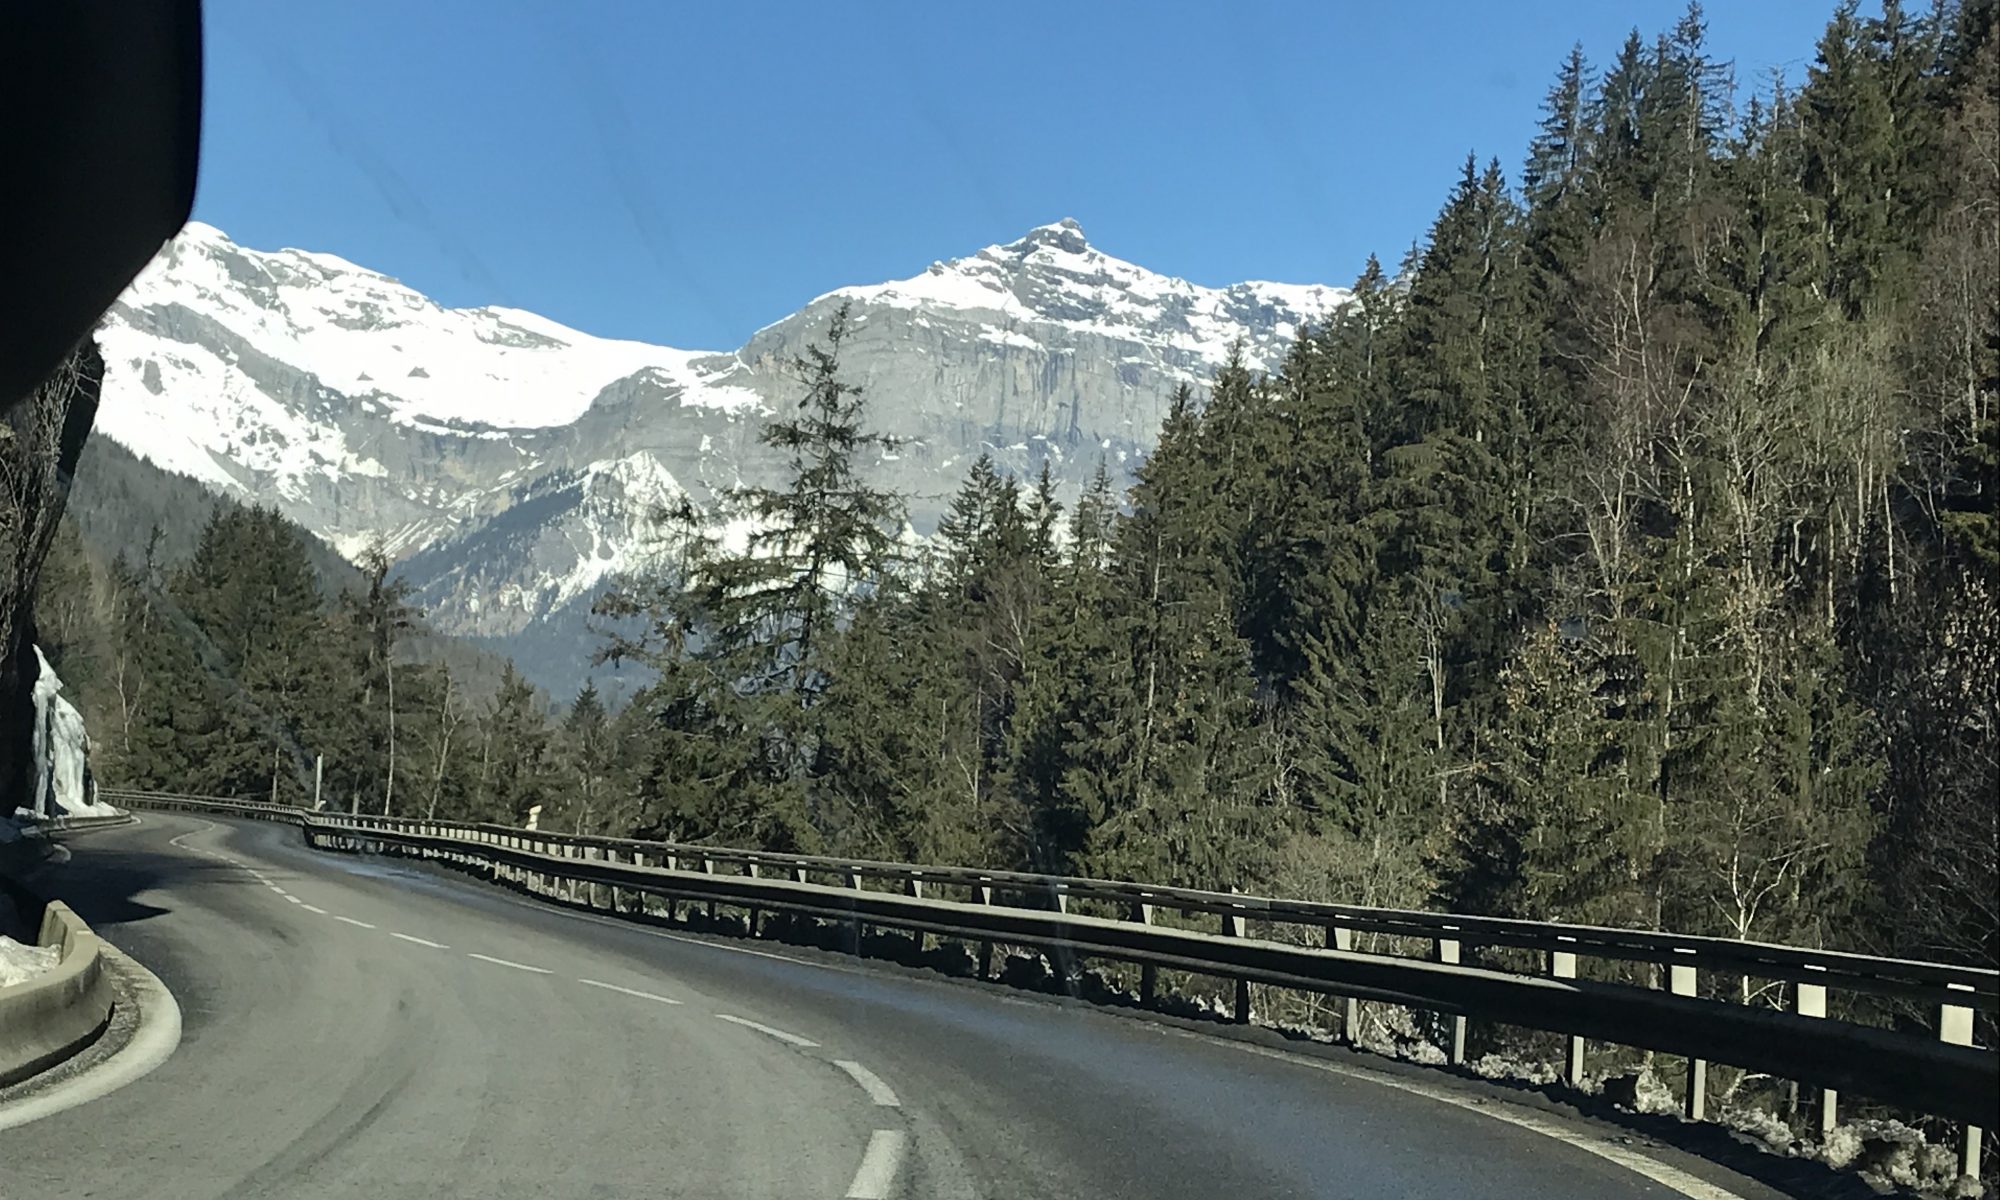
{"x":1054,"y":276}
{"x":509,"y":461}
{"x":589,"y":526}
{"x":364,"y":333}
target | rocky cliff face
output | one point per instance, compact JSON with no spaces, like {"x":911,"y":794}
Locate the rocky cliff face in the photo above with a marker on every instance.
{"x":511,"y":463}
{"x":40,"y":440}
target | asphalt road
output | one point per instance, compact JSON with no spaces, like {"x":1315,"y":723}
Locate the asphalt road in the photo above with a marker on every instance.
{"x":360,"y":1027}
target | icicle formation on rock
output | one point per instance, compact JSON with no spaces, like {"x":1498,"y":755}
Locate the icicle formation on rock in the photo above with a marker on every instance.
{"x":63,"y":786}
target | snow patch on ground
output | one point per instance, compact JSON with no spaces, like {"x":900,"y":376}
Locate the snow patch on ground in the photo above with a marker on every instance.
{"x":20,"y":963}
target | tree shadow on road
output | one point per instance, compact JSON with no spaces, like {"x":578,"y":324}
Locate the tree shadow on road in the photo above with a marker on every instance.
{"x":103,"y":880}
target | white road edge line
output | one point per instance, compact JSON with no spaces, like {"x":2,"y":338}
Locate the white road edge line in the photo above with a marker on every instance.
{"x":420,"y":941}
{"x":1650,"y":1168}
{"x":870,"y":1082}
{"x":314,"y":908}
{"x":502,"y":962}
{"x":612,"y":987}
{"x":781,"y":1035}
{"x":877,"y":1173}
{"x":1670,"y":1177}
{"x":158,"y":1034}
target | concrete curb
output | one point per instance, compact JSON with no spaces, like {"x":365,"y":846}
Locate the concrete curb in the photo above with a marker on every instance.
{"x":155,"y":1039}
{"x":46,"y":1019}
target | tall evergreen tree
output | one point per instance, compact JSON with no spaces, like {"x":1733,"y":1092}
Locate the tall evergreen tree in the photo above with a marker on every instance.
{"x":772,"y":610}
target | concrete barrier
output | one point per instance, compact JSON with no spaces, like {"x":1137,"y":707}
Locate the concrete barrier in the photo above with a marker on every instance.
{"x":52,"y":1016}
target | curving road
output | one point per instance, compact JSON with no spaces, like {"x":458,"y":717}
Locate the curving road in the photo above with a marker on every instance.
{"x":370,"y":1028}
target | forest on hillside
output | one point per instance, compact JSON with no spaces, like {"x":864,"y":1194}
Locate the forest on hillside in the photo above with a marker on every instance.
{"x":1626,"y":554}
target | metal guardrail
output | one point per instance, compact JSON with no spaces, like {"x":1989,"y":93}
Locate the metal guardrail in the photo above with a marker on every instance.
{"x":1937,"y":1073}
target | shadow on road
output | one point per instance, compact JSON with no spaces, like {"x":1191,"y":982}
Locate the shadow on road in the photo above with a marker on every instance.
{"x":104,"y":878}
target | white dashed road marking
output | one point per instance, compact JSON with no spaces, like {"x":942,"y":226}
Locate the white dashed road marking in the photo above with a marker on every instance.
{"x":870,"y":1082}
{"x":612,"y":987}
{"x":877,"y":1173}
{"x":420,"y":941}
{"x":501,"y":962}
{"x":362,"y":924}
{"x":293,"y":899}
{"x":1659,"y":1172}
{"x":781,"y":1035}
{"x":314,"y":908}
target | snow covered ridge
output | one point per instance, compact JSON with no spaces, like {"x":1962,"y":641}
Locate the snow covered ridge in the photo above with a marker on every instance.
{"x":365,"y":334}
{"x":508,"y":461}
{"x":1054,"y":275}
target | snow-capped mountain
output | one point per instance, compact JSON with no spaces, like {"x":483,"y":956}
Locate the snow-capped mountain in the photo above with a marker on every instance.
{"x":512,"y":463}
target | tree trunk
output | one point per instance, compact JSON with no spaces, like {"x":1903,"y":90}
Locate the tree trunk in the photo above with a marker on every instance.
{"x":389,"y":779}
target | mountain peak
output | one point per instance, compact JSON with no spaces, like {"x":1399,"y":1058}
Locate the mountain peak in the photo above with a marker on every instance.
{"x":1064,"y":235}
{"x":514,"y":464}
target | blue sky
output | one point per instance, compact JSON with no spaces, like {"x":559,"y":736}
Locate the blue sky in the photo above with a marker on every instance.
{"x":687,"y":173}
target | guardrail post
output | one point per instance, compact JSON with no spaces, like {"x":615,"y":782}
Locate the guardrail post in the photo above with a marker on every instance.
{"x":1149,"y":975}
{"x":1234,"y":925}
{"x":914,"y":888}
{"x":854,"y":927}
{"x":1562,"y":965}
{"x":1340,"y":937}
{"x":708,"y":868}
{"x":1683,"y":981}
{"x":639,"y":900}
{"x":1809,"y":1000}
{"x":672,"y":862}
{"x":1955,"y":1028}
{"x":982,"y":893}
{"x":617,"y":893}
{"x":1447,"y":952}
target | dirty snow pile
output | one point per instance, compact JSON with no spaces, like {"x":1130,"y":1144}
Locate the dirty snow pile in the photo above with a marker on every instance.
{"x":19,"y":963}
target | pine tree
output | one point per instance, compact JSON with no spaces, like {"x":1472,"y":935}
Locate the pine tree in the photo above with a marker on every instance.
{"x":516,"y":776}
{"x":1547,"y":838}
{"x":824,"y":532}
{"x":771,"y":611}
{"x":1849,"y":159}
{"x":1617,"y":176}
{"x":380,"y":618}
{"x":1072,"y":668}
{"x":587,"y":754}
{"x":1160,"y":759}
{"x":1559,"y":156}
{"x":1370,"y":767}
